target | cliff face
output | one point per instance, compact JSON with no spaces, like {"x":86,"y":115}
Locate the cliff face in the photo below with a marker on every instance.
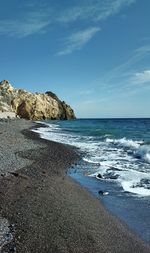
{"x":33,"y":106}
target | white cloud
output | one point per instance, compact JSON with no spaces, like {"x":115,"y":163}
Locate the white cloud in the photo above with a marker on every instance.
{"x":77,"y":40}
{"x":86,"y":92}
{"x":34,"y":22}
{"x":94,"y":10}
{"x":37,"y":17}
{"x":20,"y":30}
{"x":111,"y":7}
{"x":118,"y":81}
{"x":141,"y":77}
{"x":124,"y":70}
{"x":88,"y":102}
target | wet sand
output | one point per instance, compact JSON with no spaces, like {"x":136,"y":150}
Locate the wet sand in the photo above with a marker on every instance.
{"x":48,"y":211}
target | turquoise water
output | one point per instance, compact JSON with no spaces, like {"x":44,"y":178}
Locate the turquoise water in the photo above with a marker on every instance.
{"x":115,"y":159}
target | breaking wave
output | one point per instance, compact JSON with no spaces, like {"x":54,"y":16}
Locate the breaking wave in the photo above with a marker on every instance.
{"x":139,"y":149}
{"x":124,"y":161}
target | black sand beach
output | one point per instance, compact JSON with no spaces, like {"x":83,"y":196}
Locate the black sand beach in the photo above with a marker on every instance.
{"x":48,"y":211}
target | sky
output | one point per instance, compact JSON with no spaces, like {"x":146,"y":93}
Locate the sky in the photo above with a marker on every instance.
{"x":94,"y":54}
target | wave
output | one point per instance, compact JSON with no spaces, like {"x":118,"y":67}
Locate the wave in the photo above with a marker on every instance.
{"x":136,"y":188}
{"x":143,"y":152}
{"x":138,"y":148}
{"x":125,"y":161}
{"x":90,"y":161}
{"x":132,"y":181}
{"x":123,"y":142}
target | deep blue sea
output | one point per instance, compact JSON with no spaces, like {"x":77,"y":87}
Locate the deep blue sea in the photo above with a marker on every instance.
{"x":115,"y":160}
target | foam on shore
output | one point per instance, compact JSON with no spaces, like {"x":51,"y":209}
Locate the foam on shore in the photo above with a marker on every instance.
{"x":125,"y":161}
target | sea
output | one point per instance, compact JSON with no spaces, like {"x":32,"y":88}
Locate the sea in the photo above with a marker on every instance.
{"x":114,"y":164}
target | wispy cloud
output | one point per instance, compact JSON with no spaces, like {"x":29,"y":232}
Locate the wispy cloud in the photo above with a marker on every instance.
{"x":21,"y":29}
{"x":141,"y":77}
{"x":36,"y":18}
{"x":124,"y":69}
{"x":33,"y":22}
{"x":86,"y":92}
{"x":93,"y":10}
{"x":112,"y":7}
{"x":77,"y":40}
{"x":123,"y":79}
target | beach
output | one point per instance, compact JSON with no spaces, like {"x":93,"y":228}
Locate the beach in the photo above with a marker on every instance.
{"x":46,"y":210}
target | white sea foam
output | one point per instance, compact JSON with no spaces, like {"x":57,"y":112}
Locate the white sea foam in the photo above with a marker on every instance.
{"x":125,"y":143}
{"x":125,"y":161}
{"x":51,"y":126}
{"x":130,"y":180}
{"x":139,"y":149}
{"x":89,"y":161}
{"x":129,"y":187}
{"x":143,"y":152}
{"x":147,"y":158}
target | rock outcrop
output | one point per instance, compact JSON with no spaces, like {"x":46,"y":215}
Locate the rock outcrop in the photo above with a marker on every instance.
{"x":33,"y":106}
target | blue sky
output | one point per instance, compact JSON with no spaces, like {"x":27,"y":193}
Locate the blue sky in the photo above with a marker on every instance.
{"x":94,"y":54}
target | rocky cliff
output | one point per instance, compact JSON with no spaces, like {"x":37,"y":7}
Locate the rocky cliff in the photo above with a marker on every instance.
{"x":33,"y":106}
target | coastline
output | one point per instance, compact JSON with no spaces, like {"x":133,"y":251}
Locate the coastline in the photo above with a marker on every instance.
{"x":51,"y":212}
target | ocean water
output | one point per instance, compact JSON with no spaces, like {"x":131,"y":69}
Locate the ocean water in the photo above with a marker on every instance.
{"x":115,"y":159}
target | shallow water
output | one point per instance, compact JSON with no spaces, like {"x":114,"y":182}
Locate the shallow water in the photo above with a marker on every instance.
{"x":131,"y":209}
{"x":116,"y":159}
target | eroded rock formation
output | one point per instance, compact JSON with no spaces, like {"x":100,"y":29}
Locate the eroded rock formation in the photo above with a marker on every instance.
{"x":33,"y":106}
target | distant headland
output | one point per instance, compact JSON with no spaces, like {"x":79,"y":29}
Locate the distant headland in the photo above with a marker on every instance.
{"x":34,"y":106}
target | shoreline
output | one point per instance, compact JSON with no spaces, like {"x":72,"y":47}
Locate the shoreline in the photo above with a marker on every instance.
{"x":50,"y":212}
